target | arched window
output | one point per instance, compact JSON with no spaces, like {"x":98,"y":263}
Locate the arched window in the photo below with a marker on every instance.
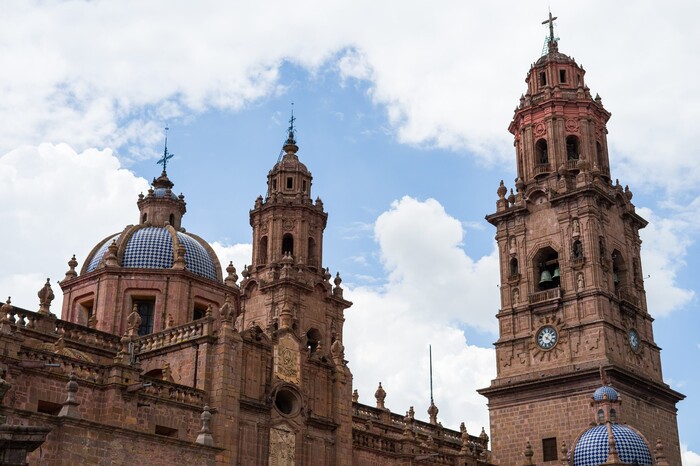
{"x":313,"y":340}
{"x":541,"y":152}
{"x":546,"y":265}
{"x":145,"y":217}
{"x":613,"y":416}
{"x":288,"y":244}
{"x":262,"y":250}
{"x":171,"y":219}
{"x":312,"y":253}
{"x":572,"y":148}
{"x":601,"y":416}
{"x":619,"y":270}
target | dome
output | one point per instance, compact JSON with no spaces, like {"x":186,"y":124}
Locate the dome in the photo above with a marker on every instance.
{"x":605,"y":390}
{"x":152,"y":248}
{"x":162,"y":193}
{"x":592,"y":447}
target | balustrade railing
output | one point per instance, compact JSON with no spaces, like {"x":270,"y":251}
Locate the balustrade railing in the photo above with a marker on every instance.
{"x":174,"y":335}
{"x":173,"y":392}
{"x":546,"y":295}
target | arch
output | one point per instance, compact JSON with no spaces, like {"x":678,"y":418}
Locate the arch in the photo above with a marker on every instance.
{"x":619,"y":269}
{"x":288,"y":244}
{"x":312,"y":252}
{"x":613,"y":415}
{"x":171,"y":219}
{"x":572,"y":147}
{"x":601,"y":416}
{"x":313,"y":339}
{"x":546,"y":270}
{"x":262,"y":250}
{"x":144,"y":219}
{"x":155,"y":374}
{"x":577,"y":249}
{"x":541,"y":153}
{"x":514,"y":267}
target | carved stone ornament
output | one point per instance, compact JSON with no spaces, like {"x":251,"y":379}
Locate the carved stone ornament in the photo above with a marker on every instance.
{"x":287,"y":224}
{"x":571,"y":125}
{"x":282,"y":446}
{"x":287,"y":359}
{"x":540,"y":129}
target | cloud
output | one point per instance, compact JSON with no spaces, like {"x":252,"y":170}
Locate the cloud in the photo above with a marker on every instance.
{"x":239,"y":254}
{"x":55,"y":202}
{"x":432,"y":290}
{"x":665,"y":244}
{"x":689,"y":458}
{"x":447,"y":77}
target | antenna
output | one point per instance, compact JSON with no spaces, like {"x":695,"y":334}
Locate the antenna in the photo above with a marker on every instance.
{"x":430,"y":347}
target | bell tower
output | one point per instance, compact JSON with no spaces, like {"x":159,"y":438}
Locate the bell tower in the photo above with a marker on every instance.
{"x":296,"y":310}
{"x":572,"y":288}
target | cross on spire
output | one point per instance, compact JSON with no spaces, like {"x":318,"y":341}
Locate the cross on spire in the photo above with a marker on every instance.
{"x":291,"y":121}
{"x":551,"y":25}
{"x":166,"y":156}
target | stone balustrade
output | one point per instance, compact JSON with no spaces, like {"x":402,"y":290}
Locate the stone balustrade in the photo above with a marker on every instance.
{"x":84,"y":370}
{"x":546,"y":295}
{"x":88,"y":336}
{"x":173,"y":392}
{"x":174,"y":335}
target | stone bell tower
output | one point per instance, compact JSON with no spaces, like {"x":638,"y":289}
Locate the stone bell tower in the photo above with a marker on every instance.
{"x":572,"y":288}
{"x":289,"y":298}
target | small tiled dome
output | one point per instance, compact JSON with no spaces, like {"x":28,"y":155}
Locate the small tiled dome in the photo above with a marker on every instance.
{"x":152,"y":248}
{"x":162,"y":192}
{"x":592,"y":447}
{"x":600,"y":393}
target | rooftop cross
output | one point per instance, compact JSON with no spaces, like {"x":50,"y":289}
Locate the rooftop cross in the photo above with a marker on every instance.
{"x":291,"y":121}
{"x":551,"y":26}
{"x":164,"y":160}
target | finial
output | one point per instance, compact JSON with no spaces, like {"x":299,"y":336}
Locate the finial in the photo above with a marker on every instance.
{"x":166,"y":156}
{"x":72,"y":264}
{"x":528,"y":453}
{"x":204,"y":436}
{"x":291,"y":129}
{"x":380,"y":396}
{"x":70,"y":406}
{"x":45,"y":297}
{"x":355,"y":396}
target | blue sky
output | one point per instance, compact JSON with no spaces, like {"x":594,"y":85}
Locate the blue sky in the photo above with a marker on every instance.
{"x":401,"y":117}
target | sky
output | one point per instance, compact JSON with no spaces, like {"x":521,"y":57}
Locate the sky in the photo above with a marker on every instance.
{"x":402,"y":114}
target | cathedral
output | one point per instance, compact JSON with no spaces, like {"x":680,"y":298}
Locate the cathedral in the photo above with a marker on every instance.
{"x":161,"y":358}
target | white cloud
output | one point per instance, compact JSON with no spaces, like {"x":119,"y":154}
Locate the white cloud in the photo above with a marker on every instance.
{"x":239,"y":254}
{"x":689,"y":458}
{"x":433,"y":288}
{"x":55,"y":202}
{"x":665,"y":243}
{"x":447,"y":76}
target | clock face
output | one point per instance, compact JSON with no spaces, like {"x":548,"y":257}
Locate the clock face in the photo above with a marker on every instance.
{"x":547,"y":337}
{"x":633,"y":339}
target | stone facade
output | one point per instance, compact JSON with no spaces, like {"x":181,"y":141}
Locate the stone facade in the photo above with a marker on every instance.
{"x":572,"y":292}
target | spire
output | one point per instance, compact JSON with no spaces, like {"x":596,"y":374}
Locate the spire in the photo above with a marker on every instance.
{"x":290,"y":145}
{"x":551,"y":40}
{"x":166,"y":156}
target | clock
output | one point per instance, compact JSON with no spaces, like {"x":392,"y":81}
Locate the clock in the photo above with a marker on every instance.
{"x":547,"y":337}
{"x":633,"y":338}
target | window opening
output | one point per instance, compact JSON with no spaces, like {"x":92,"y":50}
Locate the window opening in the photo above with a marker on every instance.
{"x":547,"y":266}
{"x":290,"y":182}
{"x":303,"y":185}
{"x":145,"y":310}
{"x":288,"y":244}
{"x":312,"y":252}
{"x":274,"y":184}
{"x":313,"y":340}
{"x":48,"y":407}
{"x":572,"y":148}
{"x":577,"y":249}
{"x":541,"y":152}
{"x":543,"y":78}
{"x":562,"y":76}
{"x":549,"y":449}
{"x":166,"y":431}
{"x":199,"y":311}
{"x":145,"y":217}
{"x":171,"y":219}
{"x":262,"y":251}
{"x":513,"y":267}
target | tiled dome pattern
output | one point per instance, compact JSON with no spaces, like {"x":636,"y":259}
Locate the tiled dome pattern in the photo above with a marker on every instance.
{"x":149,"y":248}
{"x":605,"y":390}
{"x":97,"y":258}
{"x":197,"y":258}
{"x":592,"y":447}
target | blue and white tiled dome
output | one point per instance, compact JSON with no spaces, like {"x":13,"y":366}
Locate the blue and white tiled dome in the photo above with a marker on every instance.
{"x":605,"y":390}
{"x":161,"y":193}
{"x":592,"y":447}
{"x":152,"y":248}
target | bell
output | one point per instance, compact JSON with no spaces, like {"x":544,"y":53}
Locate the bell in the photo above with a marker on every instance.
{"x":557,"y":274}
{"x":546,"y":277}
{"x":616,"y":279}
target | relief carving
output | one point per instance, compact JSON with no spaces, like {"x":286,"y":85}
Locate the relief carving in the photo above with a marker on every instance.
{"x":282,"y":446}
{"x":287,"y":360}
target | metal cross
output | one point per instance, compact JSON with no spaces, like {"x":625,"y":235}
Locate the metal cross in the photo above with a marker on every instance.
{"x":551,"y":26}
{"x":164,"y":160}
{"x":292,"y":120}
